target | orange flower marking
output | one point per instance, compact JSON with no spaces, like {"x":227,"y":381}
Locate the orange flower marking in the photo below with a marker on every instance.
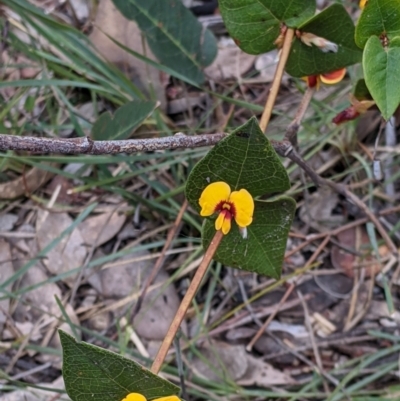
{"x":333,"y":77}
{"x":218,"y":198}
{"x":328,"y":78}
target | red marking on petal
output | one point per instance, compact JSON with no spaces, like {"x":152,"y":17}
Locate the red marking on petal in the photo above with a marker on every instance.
{"x":233,"y":210}
{"x":227,"y":214}
{"x":225,"y":207}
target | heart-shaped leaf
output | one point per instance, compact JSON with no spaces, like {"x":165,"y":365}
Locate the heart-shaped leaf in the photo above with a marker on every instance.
{"x":335,"y":25}
{"x":263,"y":250}
{"x":255,"y":24}
{"x":379,"y":17}
{"x":174,"y":35}
{"x":126,"y":119}
{"x":361,"y":92}
{"x":93,"y":373}
{"x":244,"y":159}
{"x":381,"y":72}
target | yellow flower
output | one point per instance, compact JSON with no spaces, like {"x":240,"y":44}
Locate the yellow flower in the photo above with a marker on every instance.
{"x":218,"y":198}
{"x":362,"y":3}
{"x":134,"y":397}
{"x":140,"y":397}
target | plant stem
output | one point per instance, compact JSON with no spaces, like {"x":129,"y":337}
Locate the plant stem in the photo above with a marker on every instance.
{"x":293,"y":128}
{"x":186,"y":301}
{"x":276,"y":83}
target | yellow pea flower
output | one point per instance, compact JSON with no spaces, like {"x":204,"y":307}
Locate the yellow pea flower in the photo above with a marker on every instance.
{"x":140,"y":397}
{"x":134,"y":397}
{"x":218,"y":198}
{"x":362,"y":3}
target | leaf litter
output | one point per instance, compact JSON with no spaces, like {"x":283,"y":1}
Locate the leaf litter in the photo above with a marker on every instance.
{"x":344,"y":293}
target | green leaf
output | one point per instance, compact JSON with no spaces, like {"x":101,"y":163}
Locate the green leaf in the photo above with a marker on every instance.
{"x":381,"y":71}
{"x":126,"y":119}
{"x":263,"y":250}
{"x":244,"y":159}
{"x":361,"y":92}
{"x":335,"y":25}
{"x":93,"y":373}
{"x":255,"y":24}
{"x":379,"y":17}
{"x":174,"y":35}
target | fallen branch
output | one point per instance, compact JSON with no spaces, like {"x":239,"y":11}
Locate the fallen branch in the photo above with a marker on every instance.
{"x":86,"y":145}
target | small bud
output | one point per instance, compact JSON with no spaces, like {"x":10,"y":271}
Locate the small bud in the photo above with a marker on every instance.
{"x":345,"y":115}
{"x":351,"y":113}
{"x":323,"y":44}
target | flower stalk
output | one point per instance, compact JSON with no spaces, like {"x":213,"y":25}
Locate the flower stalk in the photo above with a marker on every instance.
{"x":187,"y":300}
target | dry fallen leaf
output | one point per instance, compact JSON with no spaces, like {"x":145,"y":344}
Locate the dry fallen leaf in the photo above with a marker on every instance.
{"x":81,"y":9}
{"x":28,"y":182}
{"x":69,"y":253}
{"x":262,"y":374}
{"x":55,"y":343}
{"x":266,"y":65}
{"x":356,"y":239}
{"x":7,"y":222}
{"x":318,"y":210}
{"x":97,"y":230}
{"x":39,"y":300}
{"x":126,"y":276}
{"x":221,"y":360}
{"x":111,"y":22}
{"x":231,"y":62}
{"x":6,"y":271}
{"x":232,"y":361}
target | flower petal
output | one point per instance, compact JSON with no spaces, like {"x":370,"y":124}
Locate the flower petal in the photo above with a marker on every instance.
{"x":169,"y":398}
{"x":244,"y":207}
{"x":223,"y":222}
{"x":212,"y":195}
{"x":333,"y":77}
{"x":362,"y":3}
{"x":134,"y":397}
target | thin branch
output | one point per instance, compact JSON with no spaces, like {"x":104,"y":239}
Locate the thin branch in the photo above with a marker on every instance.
{"x":159,"y":263}
{"x":86,"y":145}
{"x":293,"y":127}
{"x":263,"y":328}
